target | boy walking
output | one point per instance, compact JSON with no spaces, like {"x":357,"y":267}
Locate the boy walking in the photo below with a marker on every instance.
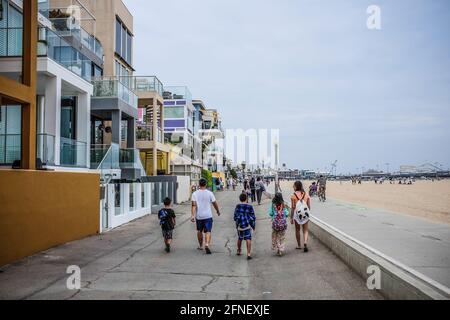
{"x":167,"y":221}
{"x":244,"y":216}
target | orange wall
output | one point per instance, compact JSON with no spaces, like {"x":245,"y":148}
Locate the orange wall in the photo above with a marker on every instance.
{"x":40,"y":209}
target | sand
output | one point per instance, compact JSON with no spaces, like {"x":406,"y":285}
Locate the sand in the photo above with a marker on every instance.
{"x":424,"y":199}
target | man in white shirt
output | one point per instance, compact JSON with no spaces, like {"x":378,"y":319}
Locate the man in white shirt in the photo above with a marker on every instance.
{"x":202,"y":214}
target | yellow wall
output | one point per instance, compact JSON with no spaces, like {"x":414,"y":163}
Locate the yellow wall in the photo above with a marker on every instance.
{"x":39,"y":210}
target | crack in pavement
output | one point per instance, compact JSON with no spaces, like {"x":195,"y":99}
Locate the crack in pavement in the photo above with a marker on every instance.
{"x":214,"y":279}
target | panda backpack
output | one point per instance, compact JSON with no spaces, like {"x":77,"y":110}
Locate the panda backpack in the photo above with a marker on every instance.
{"x":301,"y":215}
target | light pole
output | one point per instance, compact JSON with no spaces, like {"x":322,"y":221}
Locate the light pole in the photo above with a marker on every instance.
{"x":276,"y":168}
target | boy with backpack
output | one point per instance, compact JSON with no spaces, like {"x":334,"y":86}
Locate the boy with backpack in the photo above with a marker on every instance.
{"x":167,"y":222}
{"x":244,"y":217}
{"x":279,"y":213}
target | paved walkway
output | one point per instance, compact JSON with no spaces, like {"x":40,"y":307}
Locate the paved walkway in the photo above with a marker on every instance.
{"x":417,"y":243}
{"x":129,"y":263}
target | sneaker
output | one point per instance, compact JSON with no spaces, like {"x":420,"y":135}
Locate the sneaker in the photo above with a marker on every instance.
{"x":207,"y":250}
{"x":306,"y":249}
{"x":168,"y":248}
{"x":249,"y":258}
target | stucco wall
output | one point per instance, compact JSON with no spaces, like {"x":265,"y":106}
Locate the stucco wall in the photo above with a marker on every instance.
{"x":39,"y":210}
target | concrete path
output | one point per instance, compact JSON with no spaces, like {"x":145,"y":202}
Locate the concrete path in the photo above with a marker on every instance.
{"x":417,"y":243}
{"x":129,"y":263}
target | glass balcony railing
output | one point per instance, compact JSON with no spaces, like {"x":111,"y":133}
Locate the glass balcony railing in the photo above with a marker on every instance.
{"x":105,"y":157}
{"x":146,"y":84}
{"x":10,"y":148}
{"x":66,"y":26}
{"x":177,"y":93}
{"x":73,"y":153}
{"x":111,"y":87}
{"x":131,"y":159}
{"x":46,"y":148}
{"x":50,"y":45}
{"x":144,"y":132}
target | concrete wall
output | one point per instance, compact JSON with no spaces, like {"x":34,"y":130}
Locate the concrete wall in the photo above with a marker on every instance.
{"x":184,"y":189}
{"x":41,"y":209}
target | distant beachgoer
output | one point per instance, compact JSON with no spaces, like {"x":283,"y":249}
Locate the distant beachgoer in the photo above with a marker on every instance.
{"x":253,"y":188}
{"x":260,"y":188}
{"x":300,"y":211}
{"x":279,"y":213}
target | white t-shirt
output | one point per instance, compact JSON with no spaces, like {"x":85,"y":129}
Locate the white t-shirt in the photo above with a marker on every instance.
{"x":203,"y":198}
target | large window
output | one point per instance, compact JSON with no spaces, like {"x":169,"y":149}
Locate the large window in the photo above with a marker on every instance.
{"x":124,"y":42}
{"x":10,"y":133}
{"x":174,"y":112}
{"x":11,"y":29}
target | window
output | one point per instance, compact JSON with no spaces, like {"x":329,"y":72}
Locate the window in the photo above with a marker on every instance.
{"x":174,"y":112}
{"x":118,"y":37}
{"x":129,"y":47}
{"x":68,"y":117}
{"x":10,"y":133}
{"x":124,"y":42}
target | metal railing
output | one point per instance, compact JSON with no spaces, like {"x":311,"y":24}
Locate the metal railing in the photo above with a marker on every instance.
{"x":112,"y":87}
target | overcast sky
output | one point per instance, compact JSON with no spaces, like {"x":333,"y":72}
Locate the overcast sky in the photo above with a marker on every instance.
{"x":336,"y":90}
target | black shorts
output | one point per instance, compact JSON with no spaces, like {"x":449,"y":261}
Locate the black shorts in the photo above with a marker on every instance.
{"x":167,"y":234}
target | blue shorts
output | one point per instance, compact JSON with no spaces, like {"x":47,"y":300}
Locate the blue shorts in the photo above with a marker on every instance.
{"x":205,"y":225}
{"x":245,"y":235}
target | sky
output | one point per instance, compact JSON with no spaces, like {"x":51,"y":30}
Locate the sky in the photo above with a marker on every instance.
{"x":312,"y":69}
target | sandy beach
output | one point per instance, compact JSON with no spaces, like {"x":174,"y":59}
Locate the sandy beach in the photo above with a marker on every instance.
{"x":425,"y":199}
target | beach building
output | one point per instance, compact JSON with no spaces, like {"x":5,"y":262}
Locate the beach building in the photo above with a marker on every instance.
{"x":212,"y":135}
{"x":66,"y":62}
{"x":179,"y":125}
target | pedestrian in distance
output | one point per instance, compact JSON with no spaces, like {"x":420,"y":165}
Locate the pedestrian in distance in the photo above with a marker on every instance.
{"x":300,"y":214}
{"x":244,"y":217}
{"x":167,"y":222}
{"x":253,"y":188}
{"x":279,"y":214}
{"x":260,"y":188}
{"x":202,"y":200}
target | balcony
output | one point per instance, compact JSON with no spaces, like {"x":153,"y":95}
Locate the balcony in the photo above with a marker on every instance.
{"x":73,"y":153}
{"x":112,"y":87}
{"x":145,"y":84}
{"x":177,"y":93}
{"x":50,"y":45}
{"x":145,"y":133}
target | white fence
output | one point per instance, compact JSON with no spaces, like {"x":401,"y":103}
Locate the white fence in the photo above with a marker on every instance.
{"x":125,"y":202}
